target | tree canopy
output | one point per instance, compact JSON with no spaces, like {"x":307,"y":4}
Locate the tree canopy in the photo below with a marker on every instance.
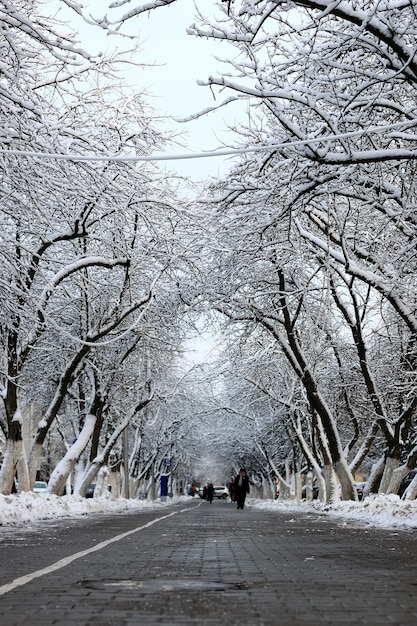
{"x":303,"y":254}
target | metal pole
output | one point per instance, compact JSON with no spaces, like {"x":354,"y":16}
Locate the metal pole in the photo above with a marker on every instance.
{"x":126,"y":462}
{"x":153,"y":487}
{"x":171,"y":477}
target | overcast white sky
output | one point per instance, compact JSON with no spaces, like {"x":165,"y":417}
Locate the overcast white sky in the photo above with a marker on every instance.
{"x":187,"y":59}
{"x":182,"y":60}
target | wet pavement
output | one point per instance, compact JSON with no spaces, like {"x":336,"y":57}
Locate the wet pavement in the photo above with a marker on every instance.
{"x":207,"y":564}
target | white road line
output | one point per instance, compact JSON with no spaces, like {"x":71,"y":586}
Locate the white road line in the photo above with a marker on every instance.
{"x":23,"y":580}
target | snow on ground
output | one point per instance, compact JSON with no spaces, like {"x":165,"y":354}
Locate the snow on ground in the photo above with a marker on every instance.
{"x":381,"y":511}
{"x":28,"y":506}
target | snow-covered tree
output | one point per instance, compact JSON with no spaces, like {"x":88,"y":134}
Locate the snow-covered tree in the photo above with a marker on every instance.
{"x":89,"y":245}
{"x":330,"y":91}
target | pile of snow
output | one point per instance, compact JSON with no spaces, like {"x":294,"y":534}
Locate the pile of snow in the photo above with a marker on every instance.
{"x":386,"y":511}
{"x":30,"y":506}
{"x":383,"y":511}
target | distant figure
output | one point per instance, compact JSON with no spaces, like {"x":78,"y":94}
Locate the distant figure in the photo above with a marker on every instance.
{"x":205,"y":492}
{"x":232,"y":489}
{"x":210,"y":492}
{"x":241,"y":488}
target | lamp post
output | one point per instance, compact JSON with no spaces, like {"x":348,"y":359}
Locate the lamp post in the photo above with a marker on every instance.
{"x":171,"y":483}
{"x":126,"y":462}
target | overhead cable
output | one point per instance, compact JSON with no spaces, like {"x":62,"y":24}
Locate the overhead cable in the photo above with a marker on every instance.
{"x":269,"y":147}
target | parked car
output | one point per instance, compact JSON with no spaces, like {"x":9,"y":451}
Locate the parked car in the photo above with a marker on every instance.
{"x":221,"y":491}
{"x":90,"y":490}
{"x":360,"y":486}
{"x":406,"y":481}
{"x":40,"y":486}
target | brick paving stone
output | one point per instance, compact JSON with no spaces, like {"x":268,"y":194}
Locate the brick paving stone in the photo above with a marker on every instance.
{"x":211,"y":565}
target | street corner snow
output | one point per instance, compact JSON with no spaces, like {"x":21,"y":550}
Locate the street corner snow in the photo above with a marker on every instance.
{"x":386,"y":511}
{"x":31,"y":507}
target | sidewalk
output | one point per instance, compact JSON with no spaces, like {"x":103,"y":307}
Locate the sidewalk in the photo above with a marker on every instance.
{"x":214,"y":565}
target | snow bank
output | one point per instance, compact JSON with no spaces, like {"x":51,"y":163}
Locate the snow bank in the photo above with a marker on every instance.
{"x":379,"y":510}
{"x":382,"y":511}
{"x":42,"y":506}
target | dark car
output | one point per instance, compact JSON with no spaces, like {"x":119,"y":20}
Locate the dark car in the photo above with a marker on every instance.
{"x":90,"y":490}
{"x":406,"y":481}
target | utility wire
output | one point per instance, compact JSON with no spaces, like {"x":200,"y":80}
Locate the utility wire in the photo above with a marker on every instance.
{"x":209,"y":154}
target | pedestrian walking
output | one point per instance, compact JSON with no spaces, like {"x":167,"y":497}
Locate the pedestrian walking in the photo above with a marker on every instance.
{"x":210,"y":492}
{"x":241,"y":488}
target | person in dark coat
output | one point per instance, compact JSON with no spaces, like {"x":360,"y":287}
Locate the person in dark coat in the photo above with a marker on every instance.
{"x":241,"y":488}
{"x":210,"y":492}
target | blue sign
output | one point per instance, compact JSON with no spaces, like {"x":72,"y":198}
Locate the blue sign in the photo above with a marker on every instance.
{"x":164,"y":485}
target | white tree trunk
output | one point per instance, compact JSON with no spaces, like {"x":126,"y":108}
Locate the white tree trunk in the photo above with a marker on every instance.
{"x":391,"y":464}
{"x":23,"y":472}
{"x":396,"y":478}
{"x":34,"y":461}
{"x":66,"y":465}
{"x":12,"y":456}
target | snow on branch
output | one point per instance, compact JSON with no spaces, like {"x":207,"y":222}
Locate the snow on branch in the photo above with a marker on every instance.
{"x":143,"y":8}
{"x":368,"y":21}
{"x":96,"y":261}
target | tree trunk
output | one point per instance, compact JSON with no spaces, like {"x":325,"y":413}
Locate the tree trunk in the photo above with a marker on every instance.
{"x":391,"y":464}
{"x":346,"y":481}
{"x":66,"y":465}
{"x":375,"y":477}
{"x":12,"y":456}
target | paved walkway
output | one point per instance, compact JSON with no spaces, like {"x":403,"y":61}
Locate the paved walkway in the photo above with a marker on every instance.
{"x":207,"y":565}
